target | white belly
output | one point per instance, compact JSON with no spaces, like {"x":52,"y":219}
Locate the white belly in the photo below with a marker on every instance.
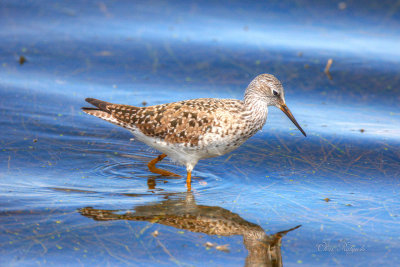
{"x":187,"y":155}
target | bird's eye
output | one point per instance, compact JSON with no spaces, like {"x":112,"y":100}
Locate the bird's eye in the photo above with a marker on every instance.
{"x":275,"y":93}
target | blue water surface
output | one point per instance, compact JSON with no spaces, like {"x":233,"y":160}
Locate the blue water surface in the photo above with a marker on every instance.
{"x":75,"y":190}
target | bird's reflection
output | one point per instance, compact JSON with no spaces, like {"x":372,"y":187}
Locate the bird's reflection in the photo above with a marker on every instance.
{"x":182,"y":212}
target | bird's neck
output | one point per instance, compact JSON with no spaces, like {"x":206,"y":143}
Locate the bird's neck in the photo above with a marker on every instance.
{"x":257,"y":109}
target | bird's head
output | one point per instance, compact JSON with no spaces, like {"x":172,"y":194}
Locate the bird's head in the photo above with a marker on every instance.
{"x":268,"y":89}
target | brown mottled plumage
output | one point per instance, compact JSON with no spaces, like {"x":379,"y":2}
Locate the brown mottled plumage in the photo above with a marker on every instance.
{"x":184,"y":122}
{"x":190,"y":130}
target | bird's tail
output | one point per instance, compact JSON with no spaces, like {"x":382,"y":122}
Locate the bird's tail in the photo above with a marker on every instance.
{"x":101,"y":111}
{"x":102,"y":105}
{"x":106,"y":111}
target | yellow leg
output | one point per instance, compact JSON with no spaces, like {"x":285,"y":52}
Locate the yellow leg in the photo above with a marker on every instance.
{"x":189,"y":181}
{"x":154,"y":169}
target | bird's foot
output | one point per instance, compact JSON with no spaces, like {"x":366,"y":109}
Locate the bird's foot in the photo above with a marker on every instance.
{"x":154,"y":169}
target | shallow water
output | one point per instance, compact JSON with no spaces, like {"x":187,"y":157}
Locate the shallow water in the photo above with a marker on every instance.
{"x":75,"y":189}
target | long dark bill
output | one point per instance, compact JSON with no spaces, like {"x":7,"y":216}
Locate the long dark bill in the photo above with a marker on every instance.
{"x":286,"y":110}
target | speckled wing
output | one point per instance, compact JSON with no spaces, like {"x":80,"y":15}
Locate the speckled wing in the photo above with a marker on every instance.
{"x":178,"y":122}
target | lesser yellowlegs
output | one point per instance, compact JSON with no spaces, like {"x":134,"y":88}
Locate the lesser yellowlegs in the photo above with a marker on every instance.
{"x":190,"y":130}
